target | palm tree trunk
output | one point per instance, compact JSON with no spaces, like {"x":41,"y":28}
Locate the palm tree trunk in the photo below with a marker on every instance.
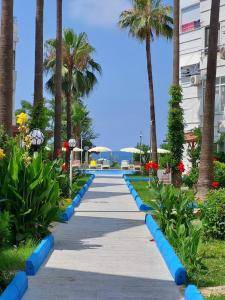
{"x":176,"y":42}
{"x":175,"y":174}
{"x":68,"y":115}
{"x":6,"y":66}
{"x":58,"y":81}
{"x":153,"y":139}
{"x":206,"y":158}
{"x":38,"y":80}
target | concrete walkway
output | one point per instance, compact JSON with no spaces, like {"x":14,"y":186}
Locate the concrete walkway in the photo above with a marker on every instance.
{"x":104,"y":253}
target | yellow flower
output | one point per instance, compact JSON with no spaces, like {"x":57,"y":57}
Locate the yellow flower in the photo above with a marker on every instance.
{"x":2,"y":154}
{"x":26,"y":158}
{"x":21,"y":119}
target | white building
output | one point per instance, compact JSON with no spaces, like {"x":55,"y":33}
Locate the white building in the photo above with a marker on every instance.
{"x":194,"y":34}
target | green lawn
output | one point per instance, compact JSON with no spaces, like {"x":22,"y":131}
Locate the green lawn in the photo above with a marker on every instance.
{"x":215,"y":298}
{"x":13,"y":259}
{"x":142,"y":189}
{"x":80,"y":181}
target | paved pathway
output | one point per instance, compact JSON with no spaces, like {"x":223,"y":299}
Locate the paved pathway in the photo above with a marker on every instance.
{"x":104,"y":253}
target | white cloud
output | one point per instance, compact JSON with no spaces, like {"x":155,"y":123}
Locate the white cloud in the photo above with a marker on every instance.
{"x":104,"y":13}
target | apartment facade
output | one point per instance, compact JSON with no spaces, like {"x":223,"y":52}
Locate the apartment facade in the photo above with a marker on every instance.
{"x":194,"y":38}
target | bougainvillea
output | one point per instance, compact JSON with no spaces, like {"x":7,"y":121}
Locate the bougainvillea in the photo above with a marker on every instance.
{"x":215,"y":184}
{"x":152,"y":166}
{"x":181,"y":167}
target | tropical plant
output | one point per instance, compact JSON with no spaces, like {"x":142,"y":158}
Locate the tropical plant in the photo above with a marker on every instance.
{"x":58,"y":81}
{"x":219,"y":173}
{"x":32,"y":193}
{"x":145,"y":157}
{"x":206,"y":158}
{"x":5,"y":233}
{"x":79,"y":69}
{"x":213,"y":214}
{"x":194,"y":149}
{"x":148,"y":18}
{"x":175,"y":132}
{"x":171,"y":206}
{"x":6,"y":66}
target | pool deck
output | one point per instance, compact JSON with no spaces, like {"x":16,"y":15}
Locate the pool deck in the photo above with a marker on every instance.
{"x":104,"y":253}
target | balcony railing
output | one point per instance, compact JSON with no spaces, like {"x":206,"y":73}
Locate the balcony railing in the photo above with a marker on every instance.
{"x":190,"y":26}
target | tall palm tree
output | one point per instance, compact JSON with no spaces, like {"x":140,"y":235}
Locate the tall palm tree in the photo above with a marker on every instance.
{"x":38,"y":79}
{"x":58,"y":80}
{"x":148,"y":18}
{"x":6,"y":66}
{"x":78,"y":68}
{"x":206,"y":158}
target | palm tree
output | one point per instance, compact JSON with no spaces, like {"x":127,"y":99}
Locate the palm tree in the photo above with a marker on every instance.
{"x":148,"y":18}
{"x":58,"y":80}
{"x":38,"y":80}
{"x":6,"y":66}
{"x":206,"y":158}
{"x":78,"y":69}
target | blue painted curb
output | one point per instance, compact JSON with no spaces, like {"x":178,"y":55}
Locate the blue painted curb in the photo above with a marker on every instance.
{"x":192,"y":293}
{"x":76,"y":201}
{"x":67,"y":214}
{"x":39,"y":255}
{"x":174,"y":264}
{"x":17,"y":287}
{"x":139,"y":179}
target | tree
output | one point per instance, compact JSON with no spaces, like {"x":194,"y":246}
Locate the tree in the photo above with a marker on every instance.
{"x":6,"y":66}
{"x":58,"y":80}
{"x":206,"y":157}
{"x":78,"y":68}
{"x":148,"y":18}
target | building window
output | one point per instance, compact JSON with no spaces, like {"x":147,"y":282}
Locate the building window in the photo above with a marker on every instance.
{"x":190,"y":18}
{"x":219,"y":96}
{"x":190,"y":70}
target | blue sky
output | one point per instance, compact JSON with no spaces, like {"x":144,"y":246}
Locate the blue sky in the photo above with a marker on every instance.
{"x":119,"y":104}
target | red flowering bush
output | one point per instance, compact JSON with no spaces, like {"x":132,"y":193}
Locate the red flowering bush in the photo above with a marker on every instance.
{"x":181,"y":167}
{"x":66,"y":146}
{"x":215,"y":184}
{"x":152,"y":166}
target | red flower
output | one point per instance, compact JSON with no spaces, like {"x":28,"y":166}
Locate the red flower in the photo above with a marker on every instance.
{"x":64,"y":167}
{"x":215,"y":184}
{"x":181,"y":167}
{"x":151,"y":166}
{"x":66,"y":146}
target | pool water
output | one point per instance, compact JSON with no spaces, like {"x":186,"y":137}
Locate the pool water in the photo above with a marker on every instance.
{"x":109,"y":172}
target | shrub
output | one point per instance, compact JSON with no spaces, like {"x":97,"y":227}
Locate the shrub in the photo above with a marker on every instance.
{"x":32,"y":193}
{"x":213,"y":214}
{"x":190,"y":180}
{"x":5,"y":233}
{"x":219,"y":173}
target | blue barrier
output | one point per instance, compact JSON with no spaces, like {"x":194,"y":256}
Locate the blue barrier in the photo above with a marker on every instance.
{"x":67,"y":214}
{"x":76,"y":200}
{"x":136,"y":179}
{"x":39,"y":255}
{"x":192,"y":293}
{"x":17,"y":287}
{"x":174,"y":265}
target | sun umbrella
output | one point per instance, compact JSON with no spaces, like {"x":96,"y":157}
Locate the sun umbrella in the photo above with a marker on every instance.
{"x":161,"y":151}
{"x":100,"y":149}
{"x":76,"y":149}
{"x":132,"y":150}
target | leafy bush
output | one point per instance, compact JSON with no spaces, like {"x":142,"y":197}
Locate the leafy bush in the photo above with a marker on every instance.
{"x":5,"y":233}
{"x":186,"y":242}
{"x":171,"y":205}
{"x":190,"y":180}
{"x":213,"y":214}
{"x":219,"y":173}
{"x":32,"y":191}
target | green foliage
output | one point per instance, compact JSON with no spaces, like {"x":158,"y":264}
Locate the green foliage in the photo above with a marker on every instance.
{"x":191,"y":179}
{"x":5,"y":232}
{"x":171,"y":205}
{"x":186,"y":242}
{"x":175,"y":126}
{"x":144,"y":157}
{"x":220,"y":156}
{"x":39,"y":116}
{"x":32,"y":193}
{"x":219,"y":173}
{"x":194,"y":149}
{"x":213,"y":214}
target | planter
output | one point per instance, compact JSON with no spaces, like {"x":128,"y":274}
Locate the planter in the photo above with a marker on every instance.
{"x":192,"y":293}
{"x":17,"y":287}
{"x":67,"y":214}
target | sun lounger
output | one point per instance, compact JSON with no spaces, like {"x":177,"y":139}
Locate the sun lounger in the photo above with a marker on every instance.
{"x":124,"y":165}
{"x":93,"y":164}
{"x":105,"y":164}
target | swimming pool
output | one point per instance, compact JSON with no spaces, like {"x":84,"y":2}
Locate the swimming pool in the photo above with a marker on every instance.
{"x":115,"y":172}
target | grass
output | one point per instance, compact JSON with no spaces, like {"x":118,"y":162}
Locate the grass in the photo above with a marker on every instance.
{"x":142,"y":189}
{"x":13,"y":259}
{"x":215,"y":297}
{"x":79,"y":182}
{"x":213,"y":254}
